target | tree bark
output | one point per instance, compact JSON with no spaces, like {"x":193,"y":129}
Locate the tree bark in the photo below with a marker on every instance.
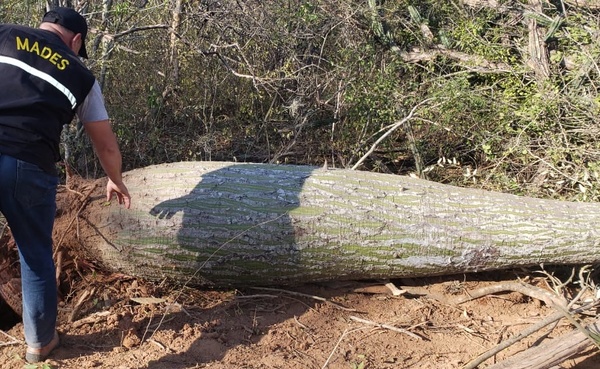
{"x":238,"y":224}
{"x":173,"y":80}
{"x":538,"y":52}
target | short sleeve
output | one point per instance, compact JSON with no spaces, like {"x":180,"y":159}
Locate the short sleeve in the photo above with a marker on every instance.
{"x":92,"y":109}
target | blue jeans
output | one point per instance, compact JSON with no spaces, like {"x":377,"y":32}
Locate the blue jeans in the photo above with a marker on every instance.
{"x":28,"y":202}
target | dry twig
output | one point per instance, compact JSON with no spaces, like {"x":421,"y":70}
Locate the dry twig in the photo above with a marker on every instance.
{"x":84,"y":297}
{"x":159,"y":345}
{"x":344,"y":334}
{"x":92,"y":319}
{"x":390,"y":129}
{"x":14,"y":340}
{"x":306,"y":295}
{"x":385,"y":326}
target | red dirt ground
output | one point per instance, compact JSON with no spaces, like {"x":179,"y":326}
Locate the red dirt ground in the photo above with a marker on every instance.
{"x":119,"y":322}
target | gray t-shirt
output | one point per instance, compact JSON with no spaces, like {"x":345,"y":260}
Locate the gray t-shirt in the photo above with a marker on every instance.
{"x":92,"y":109}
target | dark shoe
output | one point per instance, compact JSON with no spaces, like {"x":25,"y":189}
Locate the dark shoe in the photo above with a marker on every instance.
{"x":36,"y":355}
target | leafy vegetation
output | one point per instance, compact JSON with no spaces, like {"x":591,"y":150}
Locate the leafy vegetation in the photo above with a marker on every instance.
{"x":507,"y":96}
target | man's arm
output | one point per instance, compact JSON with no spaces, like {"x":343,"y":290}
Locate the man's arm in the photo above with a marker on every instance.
{"x":107,"y":149}
{"x":94,"y":116}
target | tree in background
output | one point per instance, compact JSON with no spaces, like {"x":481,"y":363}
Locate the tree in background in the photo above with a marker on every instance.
{"x":478,"y":93}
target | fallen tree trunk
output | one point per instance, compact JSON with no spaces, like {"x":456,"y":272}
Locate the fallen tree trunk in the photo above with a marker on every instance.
{"x":256,"y":224}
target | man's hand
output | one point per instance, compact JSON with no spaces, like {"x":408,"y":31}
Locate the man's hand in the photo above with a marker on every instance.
{"x":120,"y":190}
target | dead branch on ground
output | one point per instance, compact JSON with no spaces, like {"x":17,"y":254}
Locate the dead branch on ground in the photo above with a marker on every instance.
{"x":560,"y":349}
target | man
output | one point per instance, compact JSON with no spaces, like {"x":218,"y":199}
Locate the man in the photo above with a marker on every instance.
{"x":43,"y":85}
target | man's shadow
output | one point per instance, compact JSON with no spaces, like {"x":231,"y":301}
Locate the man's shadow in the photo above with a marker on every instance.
{"x":235,"y":227}
{"x":236,"y":230}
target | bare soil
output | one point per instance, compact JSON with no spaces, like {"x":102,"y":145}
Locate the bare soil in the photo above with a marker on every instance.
{"x":117,"y":321}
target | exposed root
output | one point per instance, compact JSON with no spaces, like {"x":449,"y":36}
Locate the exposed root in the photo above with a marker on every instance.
{"x":84,"y":202}
{"x":526,"y":289}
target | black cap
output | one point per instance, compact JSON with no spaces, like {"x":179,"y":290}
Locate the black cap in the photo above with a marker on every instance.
{"x":71,"y":20}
